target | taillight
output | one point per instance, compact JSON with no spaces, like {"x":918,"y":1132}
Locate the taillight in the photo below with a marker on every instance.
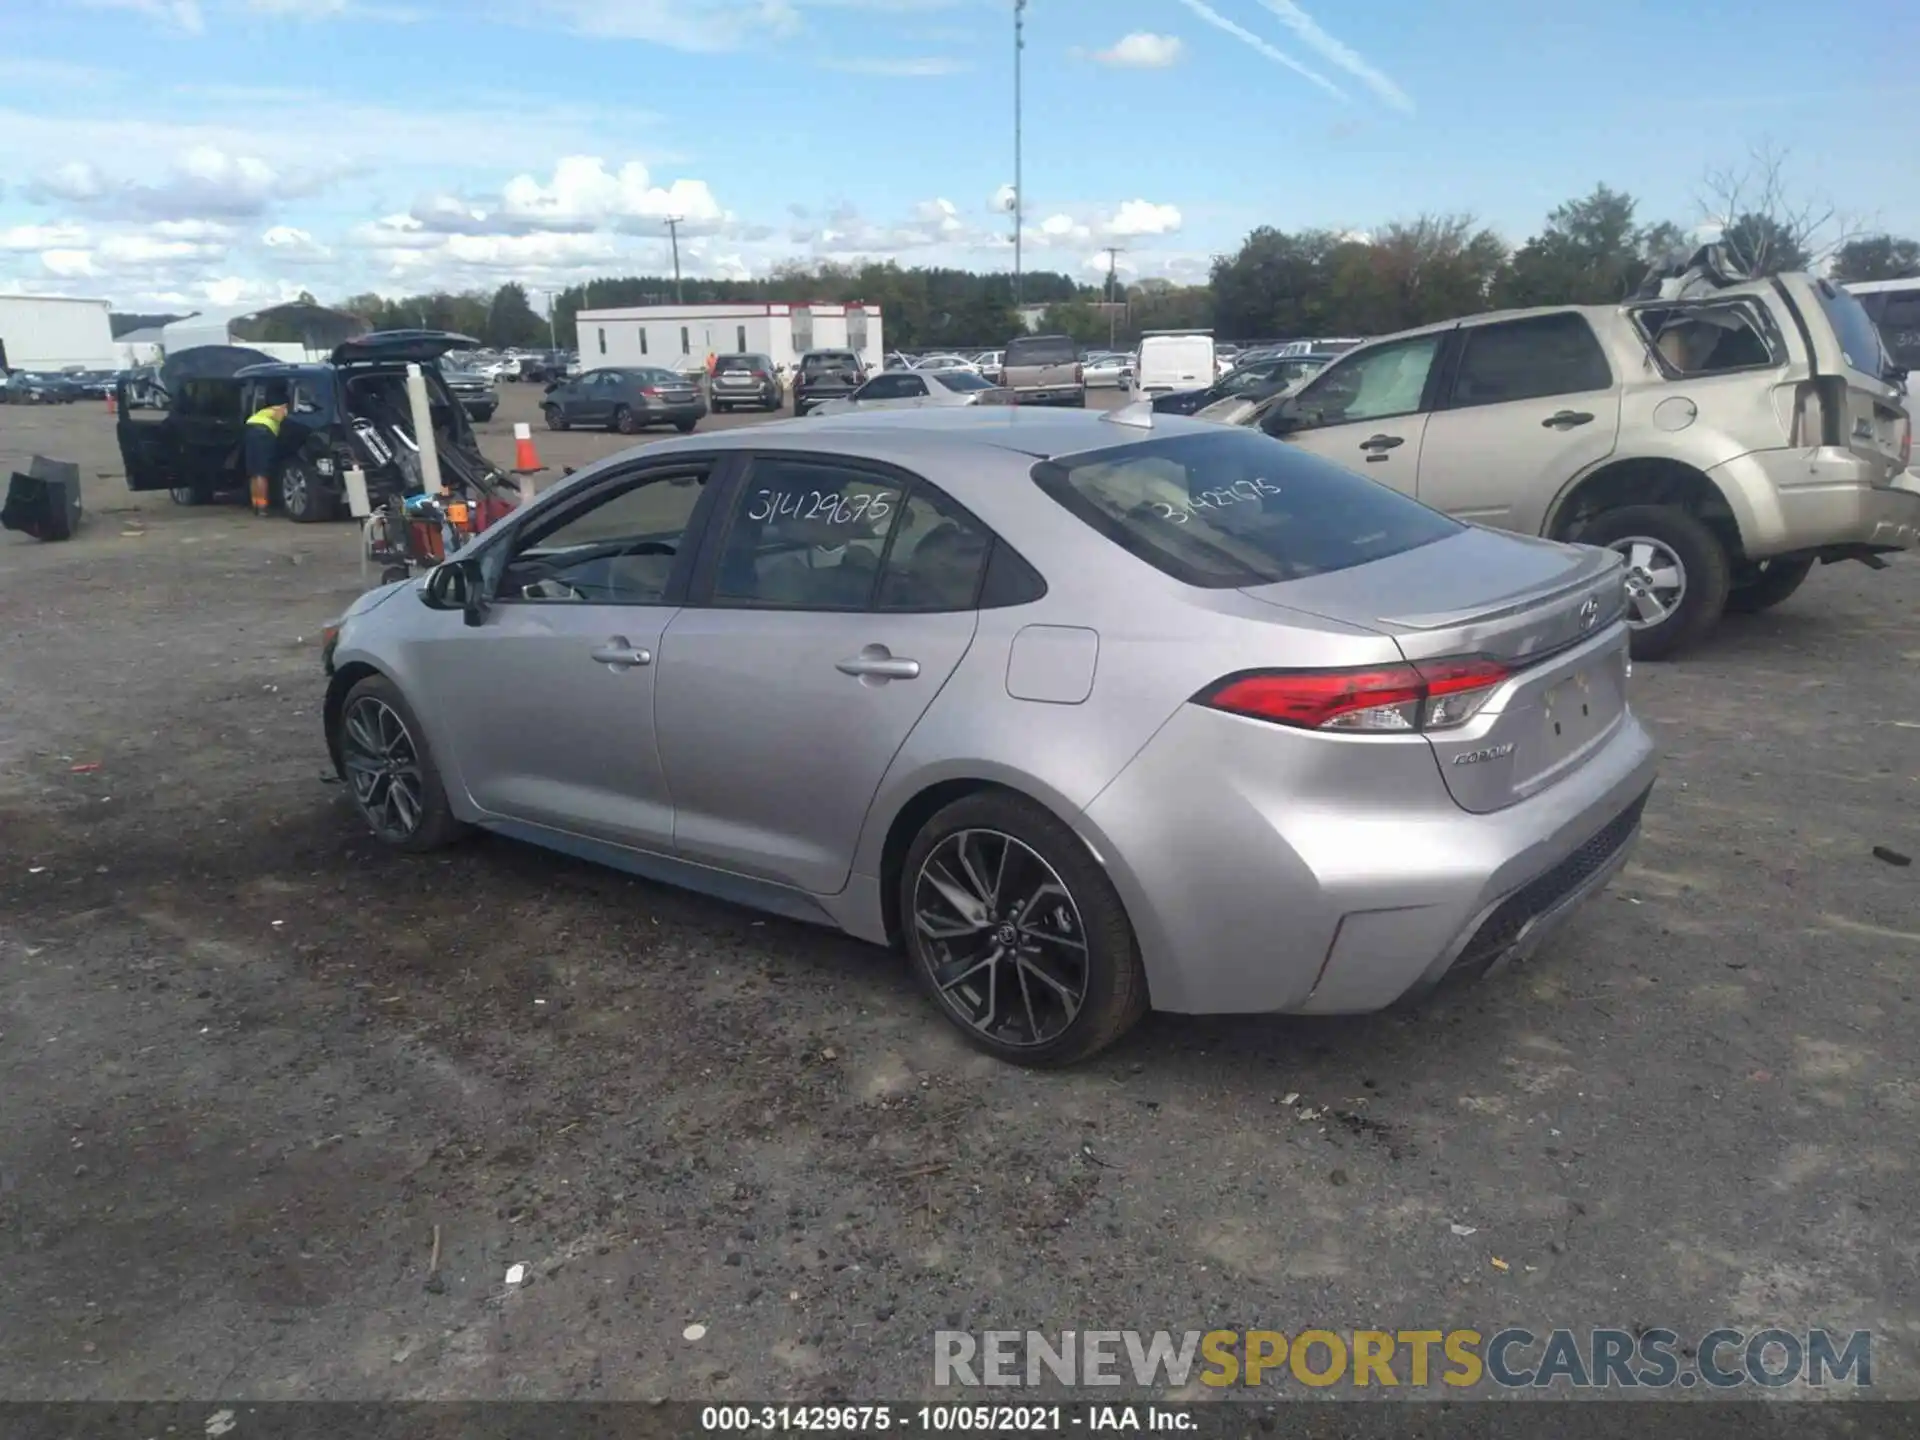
{"x":1385,"y":699}
{"x":1906,"y":441}
{"x":1079,"y":374}
{"x":652,"y":392}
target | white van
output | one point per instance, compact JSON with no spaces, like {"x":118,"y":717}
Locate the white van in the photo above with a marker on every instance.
{"x":1179,"y":360}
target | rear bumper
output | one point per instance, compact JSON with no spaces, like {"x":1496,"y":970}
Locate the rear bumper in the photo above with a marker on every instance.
{"x":1788,"y":501}
{"x":1334,"y":883}
{"x":658,"y":414}
{"x":1070,"y":395}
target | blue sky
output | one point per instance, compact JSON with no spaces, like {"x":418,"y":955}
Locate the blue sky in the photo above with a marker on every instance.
{"x":227,"y":151}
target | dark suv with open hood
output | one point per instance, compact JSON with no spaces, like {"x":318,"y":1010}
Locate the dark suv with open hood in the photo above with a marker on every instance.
{"x":351,"y":410}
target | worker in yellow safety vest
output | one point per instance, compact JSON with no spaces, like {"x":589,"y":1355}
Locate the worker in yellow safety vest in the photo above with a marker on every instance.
{"x":262,"y":449}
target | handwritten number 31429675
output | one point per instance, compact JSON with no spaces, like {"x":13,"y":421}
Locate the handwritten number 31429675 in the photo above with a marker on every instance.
{"x":835,"y":509}
{"x":1236,"y":493}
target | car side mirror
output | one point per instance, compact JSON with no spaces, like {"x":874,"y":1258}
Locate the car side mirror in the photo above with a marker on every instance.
{"x":457,"y":585}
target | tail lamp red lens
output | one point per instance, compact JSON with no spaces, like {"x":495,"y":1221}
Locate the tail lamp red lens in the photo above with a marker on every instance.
{"x":1385,"y":699}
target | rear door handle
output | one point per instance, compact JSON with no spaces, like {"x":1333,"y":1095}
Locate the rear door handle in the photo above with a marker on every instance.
{"x":622,"y":654}
{"x":876,"y":662}
{"x":1381,"y":442}
{"x":1566,"y":420}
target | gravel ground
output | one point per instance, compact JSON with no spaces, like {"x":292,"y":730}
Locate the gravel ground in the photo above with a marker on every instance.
{"x":251,"y":1067}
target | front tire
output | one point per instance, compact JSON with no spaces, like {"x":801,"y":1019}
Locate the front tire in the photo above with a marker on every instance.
{"x":1015,"y":931}
{"x":390,"y":772}
{"x":1678,"y":575}
{"x":556,"y":420}
{"x":301,"y":497}
{"x":625,"y":421}
{"x":1765,"y":585}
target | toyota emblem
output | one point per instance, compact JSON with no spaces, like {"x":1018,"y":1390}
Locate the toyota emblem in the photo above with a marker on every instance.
{"x":1589,"y":612}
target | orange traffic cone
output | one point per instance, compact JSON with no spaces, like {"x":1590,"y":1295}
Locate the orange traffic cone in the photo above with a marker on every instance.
{"x":524,"y":458}
{"x":113,"y":405}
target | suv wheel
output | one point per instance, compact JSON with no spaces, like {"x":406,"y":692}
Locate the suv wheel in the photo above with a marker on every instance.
{"x":1678,"y":575}
{"x":1017,"y":934}
{"x":304,"y":502}
{"x":1763,"y":586}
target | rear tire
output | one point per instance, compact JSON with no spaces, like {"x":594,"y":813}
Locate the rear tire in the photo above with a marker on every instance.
{"x":1766,"y":584}
{"x":1077,"y":970}
{"x":383,"y":747}
{"x":1678,"y":576}
{"x":685,"y":427}
{"x":190,"y":495}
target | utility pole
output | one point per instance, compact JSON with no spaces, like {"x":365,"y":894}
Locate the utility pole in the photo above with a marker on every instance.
{"x":673,"y":230}
{"x":553,"y":336}
{"x":1114,"y":252}
{"x":1019,"y":188}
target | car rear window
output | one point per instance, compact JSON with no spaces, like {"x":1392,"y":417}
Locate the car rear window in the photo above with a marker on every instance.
{"x":1859,"y":339}
{"x":741,"y":362}
{"x":829,"y":360}
{"x":1900,"y":326}
{"x":1237,"y":508}
{"x":963,"y":380}
{"x":1043,"y":350}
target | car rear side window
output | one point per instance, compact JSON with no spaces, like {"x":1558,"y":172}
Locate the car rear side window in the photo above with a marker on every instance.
{"x":1528,"y":360}
{"x":1712,"y":339}
{"x":1900,"y":327}
{"x":937,"y":559}
{"x":1859,"y":339}
{"x":1237,"y":508}
{"x":963,"y":380}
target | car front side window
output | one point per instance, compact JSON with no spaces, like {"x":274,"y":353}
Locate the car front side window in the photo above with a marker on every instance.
{"x":620,"y":550}
{"x":1385,"y":381}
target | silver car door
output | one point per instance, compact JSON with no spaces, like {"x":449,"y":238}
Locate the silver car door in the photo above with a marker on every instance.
{"x":784,"y":697}
{"x":1530,"y":405}
{"x":547,"y":706}
{"x":1365,"y":411}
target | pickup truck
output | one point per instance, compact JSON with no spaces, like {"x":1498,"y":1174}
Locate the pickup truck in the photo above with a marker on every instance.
{"x":1044,"y":370}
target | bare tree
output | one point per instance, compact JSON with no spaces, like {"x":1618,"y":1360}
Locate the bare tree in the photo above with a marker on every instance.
{"x":1765,"y":225}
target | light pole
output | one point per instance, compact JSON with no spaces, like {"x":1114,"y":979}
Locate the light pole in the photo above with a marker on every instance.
{"x":1114,"y":252}
{"x":553,"y":336}
{"x":1019,"y":190}
{"x":673,"y":231}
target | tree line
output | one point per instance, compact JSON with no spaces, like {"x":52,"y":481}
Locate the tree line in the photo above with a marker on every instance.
{"x":1594,"y":249}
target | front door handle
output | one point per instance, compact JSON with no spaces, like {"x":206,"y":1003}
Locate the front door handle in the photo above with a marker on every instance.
{"x":876,"y":662}
{"x":1566,"y":420}
{"x":621,"y":654}
{"x":1381,"y":442}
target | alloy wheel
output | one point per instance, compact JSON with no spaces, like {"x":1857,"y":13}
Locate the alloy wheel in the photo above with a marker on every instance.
{"x":1001,"y":938}
{"x":1656,"y":580}
{"x":383,"y":767}
{"x":295,"y":497}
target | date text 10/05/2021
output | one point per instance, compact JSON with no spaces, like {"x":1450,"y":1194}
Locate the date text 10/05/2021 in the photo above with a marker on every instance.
{"x":947,"y":1419}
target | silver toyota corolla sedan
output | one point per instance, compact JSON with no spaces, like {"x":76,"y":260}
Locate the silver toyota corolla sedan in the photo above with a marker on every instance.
{"x":1085,"y":713}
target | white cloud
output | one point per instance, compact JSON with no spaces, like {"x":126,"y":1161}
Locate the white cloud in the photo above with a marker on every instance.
{"x":1254,"y":42}
{"x":1142,"y":217}
{"x":1343,"y":56}
{"x":204,"y":183}
{"x":921,"y":66}
{"x":68,"y":264}
{"x":25,"y":238}
{"x":584,"y":193}
{"x":294,"y":246}
{"x":176,"y":14}
{"x":1142,"y":50}
{"x":137,"y":249}
{"x":700,"y":26}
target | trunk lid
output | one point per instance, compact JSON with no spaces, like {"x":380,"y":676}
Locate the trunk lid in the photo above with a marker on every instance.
{"x":400,"y":347}
{"x":1552,"y":613}
{"x":1856,"y":375}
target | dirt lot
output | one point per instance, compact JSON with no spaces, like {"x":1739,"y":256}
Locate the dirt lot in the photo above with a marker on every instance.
{"x":250,"y":1066}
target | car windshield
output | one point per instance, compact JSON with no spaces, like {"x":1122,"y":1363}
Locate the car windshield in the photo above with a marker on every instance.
{"x":963,"y":380}
{"x":1859,"y":337}
{"x":1237,"y":508}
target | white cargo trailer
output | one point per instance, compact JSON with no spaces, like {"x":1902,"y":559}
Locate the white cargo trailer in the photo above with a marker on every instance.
{"x":52,"y":333}
{"x":680,"y":337}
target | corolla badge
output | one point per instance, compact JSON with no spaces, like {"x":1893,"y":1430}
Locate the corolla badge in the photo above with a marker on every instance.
{"x":1491,"y":752}
{"x":1589,"y":612}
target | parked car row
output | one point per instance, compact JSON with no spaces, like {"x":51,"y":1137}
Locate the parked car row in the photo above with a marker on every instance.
{"x":29,"y":387}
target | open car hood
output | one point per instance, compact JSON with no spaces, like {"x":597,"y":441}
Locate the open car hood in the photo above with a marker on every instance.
{"x":401,"y":347}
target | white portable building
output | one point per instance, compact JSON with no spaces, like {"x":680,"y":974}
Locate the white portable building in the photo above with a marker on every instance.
{"x":53,"y":333}
{"x":680,"y":337}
